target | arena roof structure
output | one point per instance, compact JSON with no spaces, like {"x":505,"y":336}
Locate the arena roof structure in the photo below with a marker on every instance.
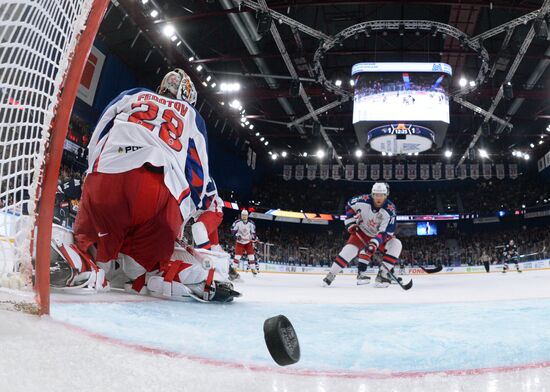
{"x":255,"y":66}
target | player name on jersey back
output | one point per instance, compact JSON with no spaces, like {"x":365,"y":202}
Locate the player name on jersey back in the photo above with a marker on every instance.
{"x":141,"y":127}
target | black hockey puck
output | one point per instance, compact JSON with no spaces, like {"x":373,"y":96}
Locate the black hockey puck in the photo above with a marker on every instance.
{"x":281,"y":340}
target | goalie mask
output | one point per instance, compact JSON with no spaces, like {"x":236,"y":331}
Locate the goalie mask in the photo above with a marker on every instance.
{"x":179,"y":85}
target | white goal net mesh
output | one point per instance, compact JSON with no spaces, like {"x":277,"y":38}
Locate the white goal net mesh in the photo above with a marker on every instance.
{"x":37,"y":40}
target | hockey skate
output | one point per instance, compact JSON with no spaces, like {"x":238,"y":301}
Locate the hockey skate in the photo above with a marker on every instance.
{"x":362,"y":278}
{"x":254,"y":272}
{"x":383,"y":279}
{"x":327,"y":280}
{"x":234,"y":276}
{"x":398,"y":279}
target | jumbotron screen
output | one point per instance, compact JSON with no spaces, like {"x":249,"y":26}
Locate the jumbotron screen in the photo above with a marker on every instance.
{"x":414,"y":93}
{"x":426,"y":228}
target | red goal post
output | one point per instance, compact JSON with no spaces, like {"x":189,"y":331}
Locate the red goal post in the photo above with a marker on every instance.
{"x":44,"y":46}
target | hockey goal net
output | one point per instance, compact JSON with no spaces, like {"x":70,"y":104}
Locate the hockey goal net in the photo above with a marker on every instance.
{"x":44,"y":45}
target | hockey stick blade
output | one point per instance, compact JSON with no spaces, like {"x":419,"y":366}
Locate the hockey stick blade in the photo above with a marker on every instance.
{"x":432,"y":270}
{"x":406,"y":286}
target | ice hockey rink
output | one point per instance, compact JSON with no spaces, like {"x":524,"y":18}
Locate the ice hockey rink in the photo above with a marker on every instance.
{"x":474,"y":332}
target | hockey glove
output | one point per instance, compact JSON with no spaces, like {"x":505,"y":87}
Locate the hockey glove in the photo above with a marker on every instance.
{"x":371,"y":249}
{"x":352,"y":223}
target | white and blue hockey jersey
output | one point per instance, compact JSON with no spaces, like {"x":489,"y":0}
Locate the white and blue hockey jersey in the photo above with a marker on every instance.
{"x":244,"y":231}
{"x":140,"y":127}
{"x":380,"y":224}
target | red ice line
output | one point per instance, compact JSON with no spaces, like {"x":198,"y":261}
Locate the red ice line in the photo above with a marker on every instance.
{"x":303,"y":372}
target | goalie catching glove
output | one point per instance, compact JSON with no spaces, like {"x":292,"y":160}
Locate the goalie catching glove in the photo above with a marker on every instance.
{"x":73,"y":270}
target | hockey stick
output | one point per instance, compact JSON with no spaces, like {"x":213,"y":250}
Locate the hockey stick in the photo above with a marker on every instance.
{"x":432,"y":270}
{"x":406,"y":286}
{"x":532,"y":254}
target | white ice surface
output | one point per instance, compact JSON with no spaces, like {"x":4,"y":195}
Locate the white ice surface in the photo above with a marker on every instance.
{"x":352,"y":338}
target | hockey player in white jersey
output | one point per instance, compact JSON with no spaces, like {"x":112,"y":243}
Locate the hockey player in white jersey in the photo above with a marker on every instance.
{"x":147,"y":176}
{"x":371,"y":223}
{"x":244,"y":231}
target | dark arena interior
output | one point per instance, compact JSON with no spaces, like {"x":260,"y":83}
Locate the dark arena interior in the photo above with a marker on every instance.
{"x":356,"y":146}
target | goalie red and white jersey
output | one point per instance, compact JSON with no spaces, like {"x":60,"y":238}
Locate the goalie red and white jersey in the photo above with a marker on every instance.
{"x":140,"y":127}
{"x":244,"y":231}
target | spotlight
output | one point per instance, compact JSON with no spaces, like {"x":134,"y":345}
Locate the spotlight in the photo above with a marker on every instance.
{"x":532,"y":145}
{"x":168,"y":30}
{"x":415,"y":154}
{"x":173,"y":38}
{"x":262,"y":139}
{"x":448,"y":153}
{"x":526,"y":157}
{"x":191,"y":58}
{"x":235,"y":104}
{"x":274,"y":156}
{"x":251,"y":126}
{"x":320,"y":154}
{"x":483,"y":153}
{"x":257,"y":133}
{"x":508,"y":91}
{"x":358,"y":153}
{"x":284,"y":154}
{"x":351,"y":82}
{"x":462,"y":82}
{"x":338,"y":83}
{"x":384,"y":153}
{"x":266,"y":143}
{"x":199,"y":68}
{"x":472,"y":83}
{"x":305,"y":154}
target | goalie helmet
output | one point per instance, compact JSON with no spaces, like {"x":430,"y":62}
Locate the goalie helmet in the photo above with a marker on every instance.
{"x":179,"y":85}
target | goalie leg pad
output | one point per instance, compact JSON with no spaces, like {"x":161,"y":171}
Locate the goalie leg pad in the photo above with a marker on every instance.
{"x":200,"y":235}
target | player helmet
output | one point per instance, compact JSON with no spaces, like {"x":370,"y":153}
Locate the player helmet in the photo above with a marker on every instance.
{"x":179,"y":85}
{"x":381,"y":188}
{"x":244,"y":214}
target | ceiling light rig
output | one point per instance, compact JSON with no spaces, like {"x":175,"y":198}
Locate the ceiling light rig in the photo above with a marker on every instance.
{"x":402,"y":26}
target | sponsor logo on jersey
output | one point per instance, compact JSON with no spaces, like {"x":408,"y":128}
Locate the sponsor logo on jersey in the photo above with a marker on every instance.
{"x":128,"y":149}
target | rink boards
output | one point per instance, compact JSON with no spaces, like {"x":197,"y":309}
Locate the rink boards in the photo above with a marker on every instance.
{"x":535,"y":265}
